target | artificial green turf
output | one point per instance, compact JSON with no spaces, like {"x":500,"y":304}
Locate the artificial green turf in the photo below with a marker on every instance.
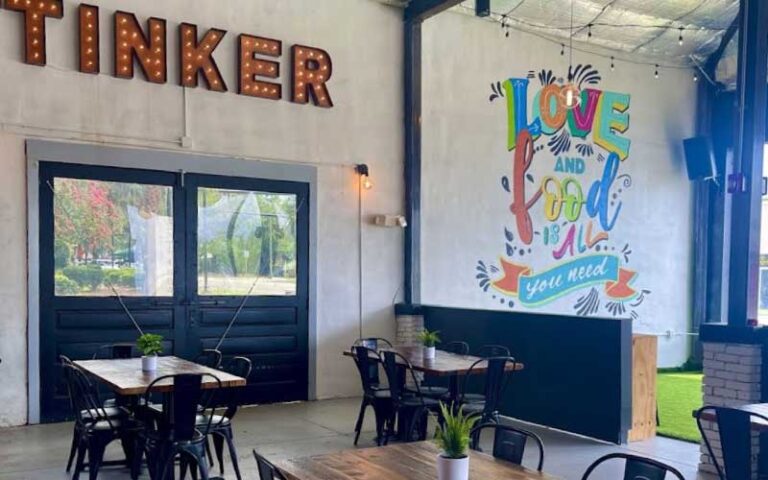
{"x":679,"y":394}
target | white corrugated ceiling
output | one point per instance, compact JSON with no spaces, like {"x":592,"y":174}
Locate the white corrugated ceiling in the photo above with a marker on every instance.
{"x":641,"y":30}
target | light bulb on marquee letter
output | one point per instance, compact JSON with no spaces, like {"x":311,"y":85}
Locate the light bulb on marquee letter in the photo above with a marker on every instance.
{"x":35,"y":13}
{"x":149,"y":47}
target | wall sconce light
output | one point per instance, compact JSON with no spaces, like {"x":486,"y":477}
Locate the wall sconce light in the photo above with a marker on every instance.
{"x":364,"y":173}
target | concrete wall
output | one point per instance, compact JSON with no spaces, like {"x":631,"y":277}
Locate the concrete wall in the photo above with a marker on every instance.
{"x":466,"y":209}
{"x":57,"y":102}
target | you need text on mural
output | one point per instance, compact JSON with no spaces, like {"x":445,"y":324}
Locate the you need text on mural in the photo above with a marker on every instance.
{"x":146,"y":46}
{"x":564,"y":222}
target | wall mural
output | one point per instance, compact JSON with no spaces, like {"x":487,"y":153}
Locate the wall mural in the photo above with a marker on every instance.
{"x":564,"y":220}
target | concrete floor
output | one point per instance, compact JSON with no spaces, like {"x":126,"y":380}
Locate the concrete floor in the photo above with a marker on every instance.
{"x":292,"y":430}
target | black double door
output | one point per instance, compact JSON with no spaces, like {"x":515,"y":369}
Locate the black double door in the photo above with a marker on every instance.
{"x":184,"y":252}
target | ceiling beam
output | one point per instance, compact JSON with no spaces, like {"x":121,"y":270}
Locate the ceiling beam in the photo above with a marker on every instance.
{"x":711,"y":64}
{"x":421,"y":10}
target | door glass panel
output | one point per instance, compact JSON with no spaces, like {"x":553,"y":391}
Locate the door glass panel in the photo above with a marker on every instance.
{"x":112,"y":235}
{"x":246,"y":239}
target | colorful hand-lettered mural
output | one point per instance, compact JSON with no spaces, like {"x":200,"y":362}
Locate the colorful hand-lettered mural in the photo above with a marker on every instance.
{"x":560,"y":241}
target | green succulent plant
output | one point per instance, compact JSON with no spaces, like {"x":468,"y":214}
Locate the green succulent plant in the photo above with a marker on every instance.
{"x":150,"y":344}
{"x":429,"y":339}
{"x":453,"y":436}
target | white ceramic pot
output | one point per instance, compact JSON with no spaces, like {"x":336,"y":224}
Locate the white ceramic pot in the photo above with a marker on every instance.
{"x":149,"y":364}
{"x":429,"y":353}
{"x":452,"y":468}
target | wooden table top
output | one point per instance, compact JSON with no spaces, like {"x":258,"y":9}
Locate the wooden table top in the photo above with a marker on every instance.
{"x":755,"y":408}
{"x":445,"y":363}
{"x":125,"y":376}
{"x":407,"y":461}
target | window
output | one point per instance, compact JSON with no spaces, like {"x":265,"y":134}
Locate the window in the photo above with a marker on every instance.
{"x":110,"y":235}
{"x":762,"y":300}
{"x":246,"y":239}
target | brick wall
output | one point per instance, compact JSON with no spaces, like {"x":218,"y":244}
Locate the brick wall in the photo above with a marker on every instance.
{"x":408,"y":329}
{"x":732,"y":377}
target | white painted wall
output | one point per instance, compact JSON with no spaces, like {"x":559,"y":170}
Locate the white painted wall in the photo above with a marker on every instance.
{"x":57,"y":102}
{"x":465,"y":155}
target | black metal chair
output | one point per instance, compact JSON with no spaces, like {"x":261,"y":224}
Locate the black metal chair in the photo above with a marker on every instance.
{"x":114,"y":351}
{"x":493,"y":351}
{"x":176,"y":433}
{"x":210,"y":357}
{"x":495,"y":380}
{"x":95,"y":426}
{"x":734,"y":428}
{"x":267,"y":471}
{"x":459,"y":348}
{"x":638,"y":468}
{"x":221,"y":428}
{"x":367,"y":361}
{"x":508,"y":442}
{"x":412,"y":410}
{"x":374,"y":343}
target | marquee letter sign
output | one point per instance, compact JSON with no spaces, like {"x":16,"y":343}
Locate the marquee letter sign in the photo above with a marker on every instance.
{"x":259,"y":58}
{"x":148,"y":48}
{"x":197,"y":57}
{"x":89,"y":39}
{"x":252,"y":67}
{"x":311,"y":71}
{"x":35,"y":13}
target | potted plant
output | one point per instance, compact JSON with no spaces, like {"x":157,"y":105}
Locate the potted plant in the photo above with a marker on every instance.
{"x":429,"y":340}
{"x":453,"y":439}
{"x":150,"y":346}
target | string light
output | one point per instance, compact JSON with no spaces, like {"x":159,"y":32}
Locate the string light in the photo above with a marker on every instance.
{"x":589,"y":30}
{"x":496,"y":17}
{"x":680,"y":38}
{"x":656,"y":73}
{"x":613,"y":66}
{"x":695,"y":76}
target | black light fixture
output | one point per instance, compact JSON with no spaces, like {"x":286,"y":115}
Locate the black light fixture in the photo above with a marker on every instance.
{"x":483,"y":8}
{"x":363,"y":171}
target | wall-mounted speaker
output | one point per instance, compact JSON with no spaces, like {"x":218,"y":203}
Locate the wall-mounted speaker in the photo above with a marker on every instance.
{"x":699,"y":158}
{"x":482,"y":8}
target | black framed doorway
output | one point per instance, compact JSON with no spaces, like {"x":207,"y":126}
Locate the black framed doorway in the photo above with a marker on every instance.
{"x":186,"y":250}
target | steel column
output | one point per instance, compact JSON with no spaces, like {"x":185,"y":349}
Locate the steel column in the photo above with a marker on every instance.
{"x":746,"y":182}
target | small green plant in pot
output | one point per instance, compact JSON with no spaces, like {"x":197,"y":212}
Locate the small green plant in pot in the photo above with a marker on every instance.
{"x":150,"y":345}
{"x":429,"y":340}
{"x":453,"y":439}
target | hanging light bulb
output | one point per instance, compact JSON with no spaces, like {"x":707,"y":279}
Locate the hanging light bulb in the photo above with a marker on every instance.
{"x":589,"y":30}
{"x":570,"y":95}
{"x":656,"y":73}
{"x":695,"y":76}
{"x":562,"y":49}
{"x":680,"y":38}
{"x":612,"y":64}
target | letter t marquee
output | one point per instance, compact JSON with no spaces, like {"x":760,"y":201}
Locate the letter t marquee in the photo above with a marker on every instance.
{"x":35,"y":13}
